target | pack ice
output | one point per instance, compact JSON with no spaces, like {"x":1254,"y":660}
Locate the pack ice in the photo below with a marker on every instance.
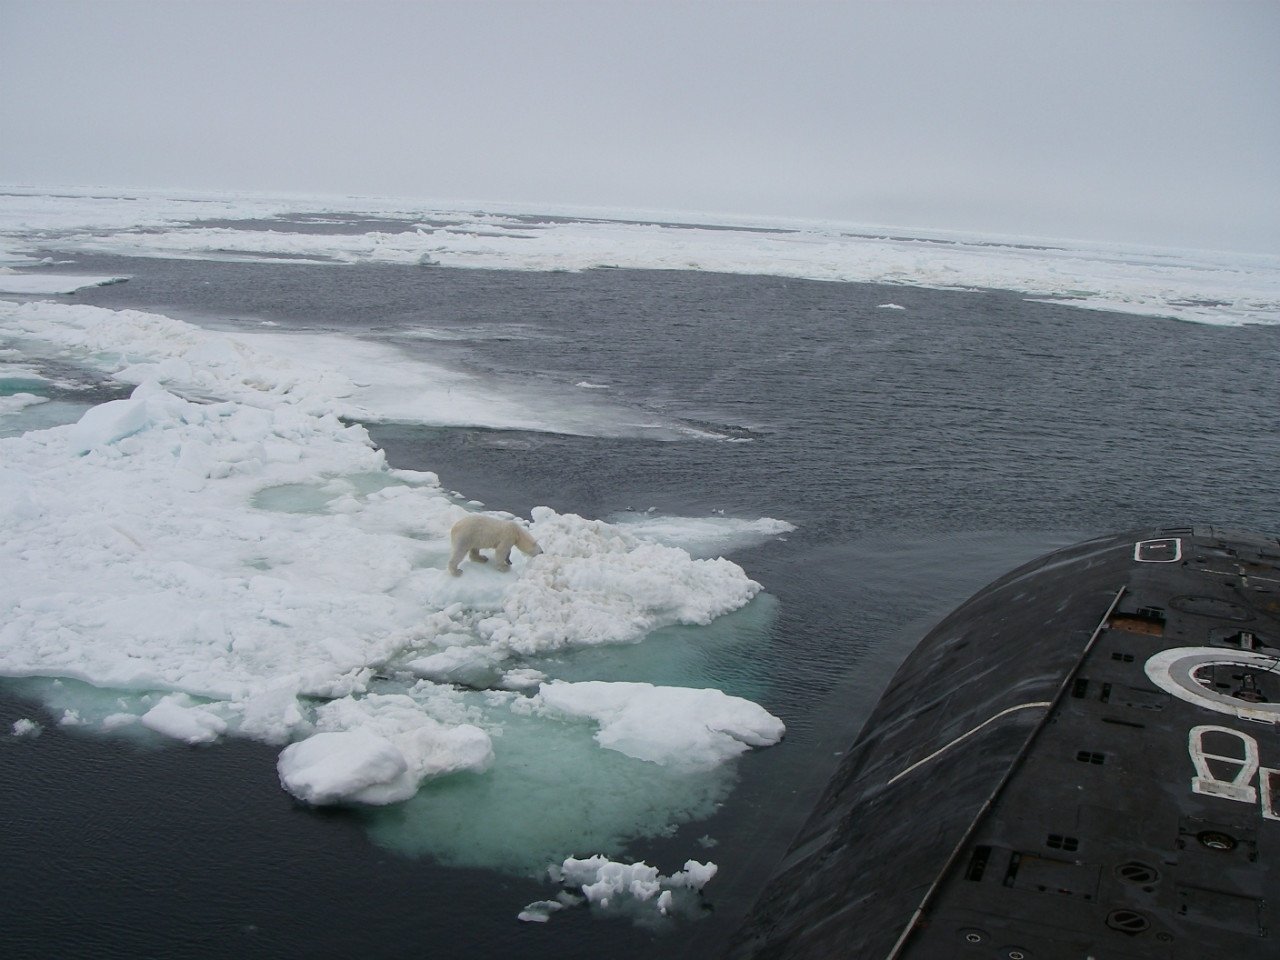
{"x":203,"y":567}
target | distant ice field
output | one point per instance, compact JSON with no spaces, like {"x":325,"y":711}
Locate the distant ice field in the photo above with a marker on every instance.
{"x":1199,"y":286}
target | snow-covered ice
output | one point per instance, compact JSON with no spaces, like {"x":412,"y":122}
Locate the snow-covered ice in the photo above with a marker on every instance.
{"x":25,"y":727}
{"x":1200,"y":286}
{"x":702,"y":536}
{"x":633,"y":888}
{"x":317,"y":373}
{"x":672,"y":726}
{"x":219,"y":555}
{"x":19,"y":401}
{"x":46,"y":284}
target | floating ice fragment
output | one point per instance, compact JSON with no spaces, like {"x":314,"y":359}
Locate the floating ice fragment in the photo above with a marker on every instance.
{"x":42,"y":284}
{"x":539,"y":911}
{"x":702,"y":536}
{"x":175,"y":717}
{"x":26,"y":728}
{"x":672,"y":726}
{"x":521,"y":679}
{"x":338,"y":767}
{"x":635,"y":888}
{"x":19,"y":401}
{"x":471,"y":666}
{"x":695,"y":875}
{"x":377,"y":750}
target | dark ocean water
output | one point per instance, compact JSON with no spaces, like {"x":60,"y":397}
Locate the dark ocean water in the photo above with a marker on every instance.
{"x":921,"y":452}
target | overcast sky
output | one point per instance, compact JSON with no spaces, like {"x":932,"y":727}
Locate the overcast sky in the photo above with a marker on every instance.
{"x":1149,"y":122}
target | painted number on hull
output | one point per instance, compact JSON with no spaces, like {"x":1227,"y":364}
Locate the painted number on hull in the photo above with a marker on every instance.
{"x":1227,"y":765}
{"x":1167,"y":550}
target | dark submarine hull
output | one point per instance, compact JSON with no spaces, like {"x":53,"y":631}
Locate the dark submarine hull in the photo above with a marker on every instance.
{"x":1081,"y":761}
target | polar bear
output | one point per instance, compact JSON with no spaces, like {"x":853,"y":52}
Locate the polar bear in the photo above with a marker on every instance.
{"x":472,"y":534}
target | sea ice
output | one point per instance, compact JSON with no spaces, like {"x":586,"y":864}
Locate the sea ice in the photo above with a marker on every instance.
{"x":220,"y":555}
{"x":178,"y":717}
{"x":315,"y":373}
{"x":266,"y":622}
{"x":25,"y":728}
{"x":1200,"y":286}
{"x":377,"y":749}
{"x":672,"y":726}
{"x":634,"y":888}
{"x":19,"y":401}
{"x":109,"y":422}
{"x":702,"y":536}
{"x":353,"y":765}
{"x":47,"y":284}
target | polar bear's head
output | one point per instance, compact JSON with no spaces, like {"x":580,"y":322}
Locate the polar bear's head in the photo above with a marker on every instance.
{"x":526,"y":544}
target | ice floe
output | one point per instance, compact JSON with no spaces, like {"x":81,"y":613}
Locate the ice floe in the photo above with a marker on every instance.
{"x":673,"y":726}
{"x":47,"y":284}
{"x":224,"y":553}
{"x":19,"y":401}
{"x":25,"y":727}
{"x":219,"y":555}
{"x":702,"y":536}
{"x":636,"y":889}
{"x":316,"y":373}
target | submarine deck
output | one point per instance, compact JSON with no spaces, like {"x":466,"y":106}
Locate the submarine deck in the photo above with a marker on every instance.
{"x":1080,"y":761}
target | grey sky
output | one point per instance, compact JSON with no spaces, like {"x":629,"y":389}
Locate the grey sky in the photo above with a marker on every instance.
{"x":1150,"y":122}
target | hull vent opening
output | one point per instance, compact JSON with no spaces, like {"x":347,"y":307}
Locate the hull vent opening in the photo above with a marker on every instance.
{"x":1128,"y":921}
{"x":1138,"y":873}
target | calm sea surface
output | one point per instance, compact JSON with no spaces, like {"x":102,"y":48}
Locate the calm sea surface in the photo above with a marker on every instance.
{"x":920,"y":451}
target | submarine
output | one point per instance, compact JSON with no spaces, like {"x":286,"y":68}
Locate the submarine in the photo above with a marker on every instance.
{"x":1081,"y":761}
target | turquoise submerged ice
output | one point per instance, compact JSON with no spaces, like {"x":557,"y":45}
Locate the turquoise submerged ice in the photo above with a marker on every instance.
{"x":252,"y":567}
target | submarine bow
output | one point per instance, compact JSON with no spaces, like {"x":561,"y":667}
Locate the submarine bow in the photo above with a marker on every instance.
{"x":1080,"y":761}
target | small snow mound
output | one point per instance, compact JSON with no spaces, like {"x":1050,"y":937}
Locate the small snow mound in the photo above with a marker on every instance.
{"x":377,"y":750}
{"x":672,"y":726}
{"x":595,"y":584}
{"x":351,"y":765}
{"x":107,"y":423}
{"x":110,"y":422}
{"x":175,"y":717}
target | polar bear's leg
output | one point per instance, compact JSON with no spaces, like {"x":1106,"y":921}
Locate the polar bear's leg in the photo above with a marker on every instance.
{"x":459,"y":551}
{"x":502,"y":553}
{"x":477,"y":557}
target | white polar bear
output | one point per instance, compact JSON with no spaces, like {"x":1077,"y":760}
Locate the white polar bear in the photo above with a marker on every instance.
{"x":472,"y":534}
